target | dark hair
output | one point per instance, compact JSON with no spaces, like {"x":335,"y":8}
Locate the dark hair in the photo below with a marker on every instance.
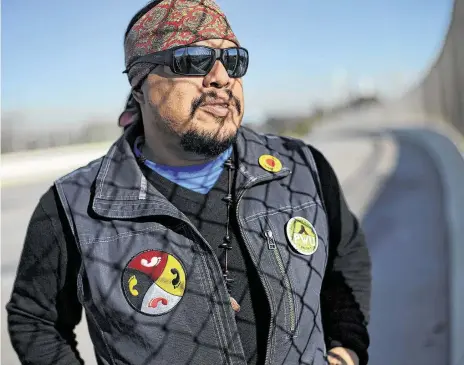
{"x":140,"y":14}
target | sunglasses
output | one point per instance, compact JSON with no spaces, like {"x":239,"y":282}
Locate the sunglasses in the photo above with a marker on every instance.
{"x":198,"y":60}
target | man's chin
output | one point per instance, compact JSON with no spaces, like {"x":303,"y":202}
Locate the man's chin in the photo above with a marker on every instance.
{"x":207,"y":143}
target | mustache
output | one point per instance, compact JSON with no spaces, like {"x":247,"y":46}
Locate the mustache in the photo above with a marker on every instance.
{"x":214,"y":95}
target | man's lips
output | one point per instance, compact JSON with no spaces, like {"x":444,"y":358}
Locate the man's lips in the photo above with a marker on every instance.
{"x":217,"y":109}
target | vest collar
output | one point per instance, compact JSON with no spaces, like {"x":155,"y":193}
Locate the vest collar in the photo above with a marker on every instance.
{"x":122,"y":191}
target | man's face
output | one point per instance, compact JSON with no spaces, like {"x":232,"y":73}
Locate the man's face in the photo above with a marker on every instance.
{"x":204,"y":111}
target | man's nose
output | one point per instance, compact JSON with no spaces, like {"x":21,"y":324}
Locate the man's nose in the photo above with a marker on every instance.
{"x":217,"y":77}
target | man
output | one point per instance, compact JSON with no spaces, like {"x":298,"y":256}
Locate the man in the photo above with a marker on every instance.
{"x":194,"y":240}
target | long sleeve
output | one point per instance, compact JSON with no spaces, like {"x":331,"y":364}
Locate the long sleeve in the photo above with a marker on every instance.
{"x":346,"y":289}
{"x":44,"y":309}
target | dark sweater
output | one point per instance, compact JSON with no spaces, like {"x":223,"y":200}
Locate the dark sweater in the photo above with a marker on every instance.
{"x":44,"y":308}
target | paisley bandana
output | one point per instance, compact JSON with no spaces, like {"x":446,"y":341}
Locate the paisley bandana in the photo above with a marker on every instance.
{"x":173,"y":23}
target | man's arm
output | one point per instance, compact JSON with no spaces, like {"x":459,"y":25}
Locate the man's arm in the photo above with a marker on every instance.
{"x":44,"y":310}
{"x":346,"y":289}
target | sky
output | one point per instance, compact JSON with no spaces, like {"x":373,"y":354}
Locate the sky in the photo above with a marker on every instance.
{"x":62,"y":61}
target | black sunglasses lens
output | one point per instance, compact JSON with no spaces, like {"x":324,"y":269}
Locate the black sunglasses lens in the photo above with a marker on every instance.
{"x":236,"y":62}
{"x":193,"y":60}
{"x":198,"y":61}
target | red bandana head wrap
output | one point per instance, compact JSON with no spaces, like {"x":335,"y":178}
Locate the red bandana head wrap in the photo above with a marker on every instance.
{"x":173,"y":23}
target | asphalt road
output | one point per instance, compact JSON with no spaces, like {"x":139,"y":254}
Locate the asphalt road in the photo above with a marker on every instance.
{"x":407,"y":233}
{"x":396,"y":191}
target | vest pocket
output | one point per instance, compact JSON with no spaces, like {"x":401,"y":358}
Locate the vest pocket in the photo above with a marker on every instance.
{"x":290,"y":246}
{"x":288,"y":290}
{"x":298,"y":240}
{"x":274,"y":270}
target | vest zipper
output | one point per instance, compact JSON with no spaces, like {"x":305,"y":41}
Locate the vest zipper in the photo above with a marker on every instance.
{"x":288,"y":288}
{"x":270,"y":240}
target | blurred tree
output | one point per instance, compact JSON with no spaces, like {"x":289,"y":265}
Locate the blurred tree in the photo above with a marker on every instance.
{"x":7,"y":137}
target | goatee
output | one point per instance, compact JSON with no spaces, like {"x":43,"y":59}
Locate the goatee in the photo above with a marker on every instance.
{"x":205,"y":144}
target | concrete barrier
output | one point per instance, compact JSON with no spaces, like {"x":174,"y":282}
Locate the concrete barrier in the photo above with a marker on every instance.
{"x":440,"y":94}
{"x":450,"y":163}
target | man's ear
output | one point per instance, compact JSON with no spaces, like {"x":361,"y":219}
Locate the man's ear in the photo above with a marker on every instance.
{"x":126,"y":118}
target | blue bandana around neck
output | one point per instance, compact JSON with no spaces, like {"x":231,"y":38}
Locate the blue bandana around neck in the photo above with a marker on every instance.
{"x":198,"y":178}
